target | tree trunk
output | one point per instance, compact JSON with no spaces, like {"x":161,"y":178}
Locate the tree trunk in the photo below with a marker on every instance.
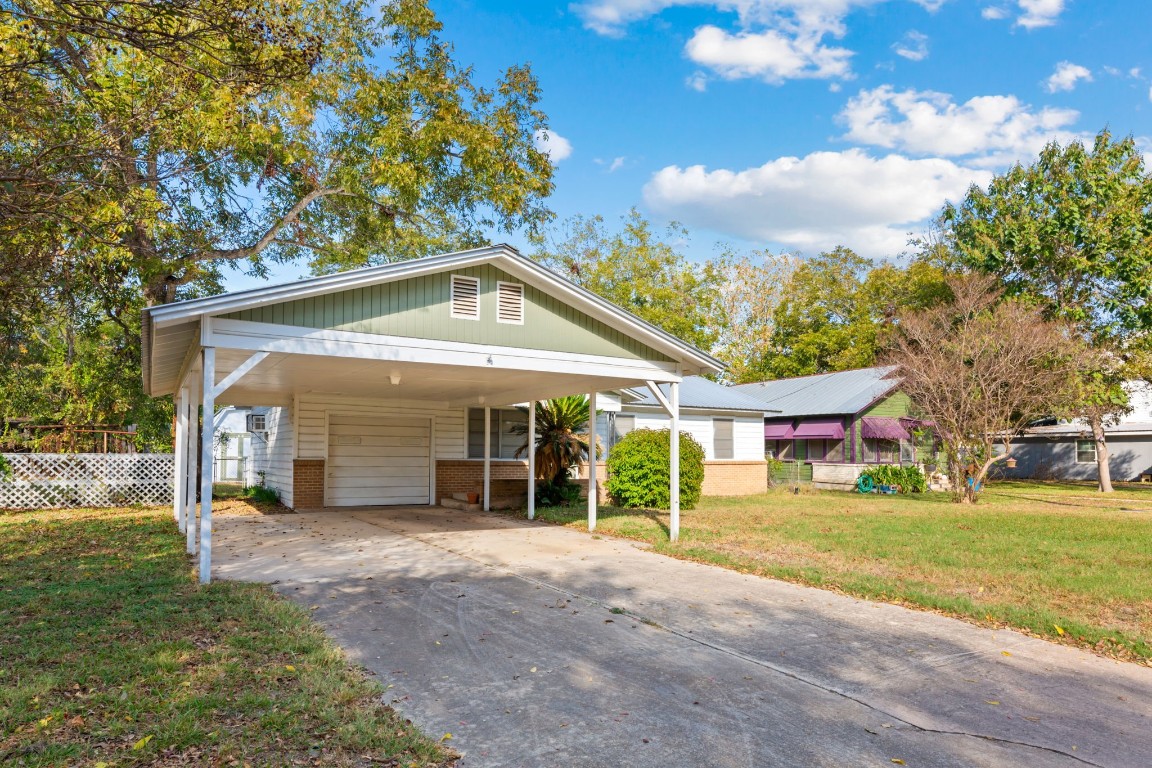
{"x":1103,"y":471}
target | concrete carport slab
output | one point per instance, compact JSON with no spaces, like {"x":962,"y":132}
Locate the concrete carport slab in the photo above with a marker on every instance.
{"x":501,"y":632}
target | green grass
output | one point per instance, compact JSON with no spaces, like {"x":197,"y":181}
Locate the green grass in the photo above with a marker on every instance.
{"x":1056,"y":560}
{"x":111,"y":654}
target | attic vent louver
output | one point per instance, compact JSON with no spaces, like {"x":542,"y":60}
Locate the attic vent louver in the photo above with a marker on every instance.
{"x":510,"y":303}
{"x":465,"y":297}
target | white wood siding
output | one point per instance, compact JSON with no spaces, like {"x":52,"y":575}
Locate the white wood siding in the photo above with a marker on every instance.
{"x":377,"y":460}
{"x":272,"y":453}
{"x":747,"y":432}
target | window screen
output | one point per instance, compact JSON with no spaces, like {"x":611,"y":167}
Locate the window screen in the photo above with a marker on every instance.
{"x":1085,"y":452}
{"x":624,"y":425}
{"x":504,"y":442}
{"x":722,"y":445}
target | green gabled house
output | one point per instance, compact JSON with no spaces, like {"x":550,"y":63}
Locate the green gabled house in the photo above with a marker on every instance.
{"x":828,"y":427}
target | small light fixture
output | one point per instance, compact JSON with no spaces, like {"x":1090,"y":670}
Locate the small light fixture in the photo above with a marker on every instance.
{"x":480,"y":399}
{"x":394,"y":378}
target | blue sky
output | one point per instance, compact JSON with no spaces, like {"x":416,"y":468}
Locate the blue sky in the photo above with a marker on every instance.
{"x":800,"y":125}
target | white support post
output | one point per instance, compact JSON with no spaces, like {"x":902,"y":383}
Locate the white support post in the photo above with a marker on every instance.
{"x":487,"y":457}
{"x":674,"y":461}
{"x":532,"y":460}
{"x":592,"y":493}
{"x":191,"y":476}
{"x":180,"y":456}
{"x":209,"y":404}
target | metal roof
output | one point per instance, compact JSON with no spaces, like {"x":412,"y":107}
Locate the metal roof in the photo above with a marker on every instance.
{"x":699,"y":392}
{"x":844,"y":392}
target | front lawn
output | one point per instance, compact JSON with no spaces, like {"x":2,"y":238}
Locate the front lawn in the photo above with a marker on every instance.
{"x":112,"y":655}
{"x":1056,"y":560}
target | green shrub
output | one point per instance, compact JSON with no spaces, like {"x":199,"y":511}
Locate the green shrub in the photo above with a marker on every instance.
{"x":910,"y":479}
{"x":561,"y":494}
{"x":638,"y":470}
{"x":5,"y":469}
{"x":261,"y":493}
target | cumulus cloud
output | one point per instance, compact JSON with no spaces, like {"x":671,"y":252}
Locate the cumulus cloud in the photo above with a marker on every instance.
{"x":815,"y":202}
{"x":1033,"y":13}
{"x":771,"y":55}
{"x":994,"y":13}
{"x":913,"y":46}
{"x":552,"y":144}
{"x":697,"y":81}
{"x":989,"y":130}
{"x":1066,"y":76}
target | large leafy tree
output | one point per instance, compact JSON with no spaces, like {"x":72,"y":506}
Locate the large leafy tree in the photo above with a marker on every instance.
{"x":1073,"y":233}
{"x":150,"y":145}
{"x":835,"y":309}
{"x":640,"y":270}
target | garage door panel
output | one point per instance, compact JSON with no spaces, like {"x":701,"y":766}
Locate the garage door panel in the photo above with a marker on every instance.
{"x":374,"y":460}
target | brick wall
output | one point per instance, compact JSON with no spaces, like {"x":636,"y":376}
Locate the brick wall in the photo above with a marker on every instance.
{"x":307,"y":483}
{"x":734,"y":478}
{"x":509,"y":478}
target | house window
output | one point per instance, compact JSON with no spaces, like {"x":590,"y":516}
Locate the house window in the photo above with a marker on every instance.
{"x":1085,"y":451}
{"x":778,"y":449}
{"x":623,"y":425}
{"x":722,"y":445}
{"x":504,"y":442}
{"x":510,"y":303}
{"x":465,"y":297}
{"x":826,"y":450}
{"x":878,"y":451}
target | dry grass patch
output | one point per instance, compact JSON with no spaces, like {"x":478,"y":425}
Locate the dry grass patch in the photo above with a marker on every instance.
{"x":115,"y":656}
{"x":1049,"y":559}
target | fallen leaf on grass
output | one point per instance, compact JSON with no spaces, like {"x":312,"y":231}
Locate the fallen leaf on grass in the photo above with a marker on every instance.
{"x":1059,"y":629}
{"x":141,"y":744}
{"x":289,"y":667}
{"x":446,"y":737}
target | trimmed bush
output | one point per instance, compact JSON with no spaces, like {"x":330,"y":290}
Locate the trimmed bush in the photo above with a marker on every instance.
{"x":638,"y":467}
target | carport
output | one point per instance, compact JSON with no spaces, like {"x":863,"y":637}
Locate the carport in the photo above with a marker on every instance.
{"x":385,"y":363}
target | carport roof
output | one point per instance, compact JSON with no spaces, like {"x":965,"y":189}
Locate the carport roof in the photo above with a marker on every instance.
{"x":174,"y":332}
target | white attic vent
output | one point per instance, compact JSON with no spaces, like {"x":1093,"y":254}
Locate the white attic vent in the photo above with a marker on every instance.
{"x":465,"y":297}
{"x":510,"y":303}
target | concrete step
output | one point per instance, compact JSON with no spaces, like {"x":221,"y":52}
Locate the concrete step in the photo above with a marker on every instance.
{"x":454,"y":503}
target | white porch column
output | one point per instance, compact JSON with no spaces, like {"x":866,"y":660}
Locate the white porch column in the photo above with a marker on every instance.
{"x":487,"y":457}
{"x":209,"y":402}
{"x":180,"y":456}
{"x":592,"y":461}
{"x":531,"y":459}
{"x":191,"y":476}
{"x":674,"y":461}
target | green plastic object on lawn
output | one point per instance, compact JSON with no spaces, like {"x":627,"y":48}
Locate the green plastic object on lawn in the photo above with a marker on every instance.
{"x":864,"y":484}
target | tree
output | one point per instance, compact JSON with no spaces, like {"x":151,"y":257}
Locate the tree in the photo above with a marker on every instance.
{"x":1073,"y":233}
{"x":982,"y":367}
{"x":149,"y":145}
{"x":640,"y":271}
{"x":752,"y":287}
{"x":835,"y":309}
{"x":561,"y":437}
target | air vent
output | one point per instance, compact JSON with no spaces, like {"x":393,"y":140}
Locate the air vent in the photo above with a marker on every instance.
{"x":257,"y":422}
{"x":465,"y":297}
{"x":510,"y":303}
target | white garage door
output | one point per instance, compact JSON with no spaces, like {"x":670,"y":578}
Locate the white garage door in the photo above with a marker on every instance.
{"x":377,"y":460}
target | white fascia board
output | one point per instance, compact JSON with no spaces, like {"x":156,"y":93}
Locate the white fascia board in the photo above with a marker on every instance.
{"x":651,"y":407}
{"x":266,"y":337}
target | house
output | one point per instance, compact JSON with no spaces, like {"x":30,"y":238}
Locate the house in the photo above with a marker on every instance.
{"x":827,"y":428}
{"x":384,"y":385}
{"x":232,"y":446}
{"x":1065,"y":450}
{"x":727,"y":423}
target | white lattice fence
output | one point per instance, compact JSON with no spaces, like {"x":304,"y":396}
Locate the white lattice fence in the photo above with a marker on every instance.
{"x":62,"y":480}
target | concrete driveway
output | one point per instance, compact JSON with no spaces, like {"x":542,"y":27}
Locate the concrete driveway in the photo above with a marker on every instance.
{"x":535,"y":645}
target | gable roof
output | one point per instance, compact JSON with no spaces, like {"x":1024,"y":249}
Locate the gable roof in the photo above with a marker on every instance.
{"x":699,"y":392}
{"x":184,"y":315}
{"x":826,"y":394}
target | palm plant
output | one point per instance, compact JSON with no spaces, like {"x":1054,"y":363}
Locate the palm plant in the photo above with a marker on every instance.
{"x":561,"y":437}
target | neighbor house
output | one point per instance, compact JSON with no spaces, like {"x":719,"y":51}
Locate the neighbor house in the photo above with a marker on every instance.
{"x":828,"y":427}
{"x":1065,"y":450}
{"x":385,"y":385}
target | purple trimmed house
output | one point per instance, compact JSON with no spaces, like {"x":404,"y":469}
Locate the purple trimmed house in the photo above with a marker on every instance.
{"x":828,"y":427}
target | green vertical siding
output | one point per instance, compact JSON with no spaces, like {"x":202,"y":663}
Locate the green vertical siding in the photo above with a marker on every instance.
{"x":419,"y":308}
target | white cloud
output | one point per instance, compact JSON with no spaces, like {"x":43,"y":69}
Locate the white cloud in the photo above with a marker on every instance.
{"x":989,"y":130}
{"x":616,"y":164}
{"x":697,"y":81}
{"x":1134,"y":72}
{"x":769,"y":55}
{"x":1066,"y":76}
{"x":1039,"y":13}
{"x":913,"y":46}
{"x":553,"y":144}
{"x":994,"y":13}
{"x":816,"y":202}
